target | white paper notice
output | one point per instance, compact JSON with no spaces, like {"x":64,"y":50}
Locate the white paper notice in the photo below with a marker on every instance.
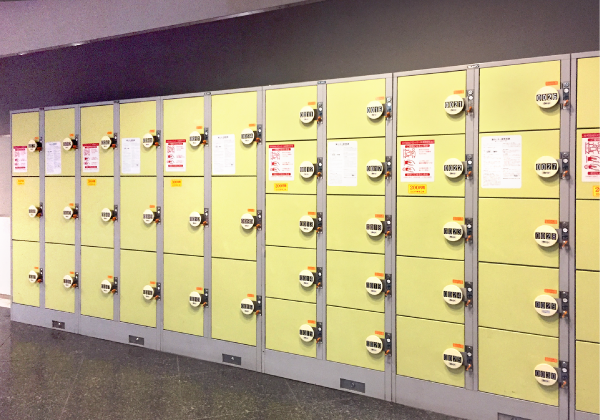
{"x":91,"y":157}
{"x":53,"y":158}
{"x":175,"y":156}
{"x":590,"y":159}
{"x":20,"y":159}
{"x":281,"y":162}
{"x":223,"y":154}
{"x":130,"y":155}
{"x":501,"y":162}
{"x":417,"y":162}
{"x":342,"y":164}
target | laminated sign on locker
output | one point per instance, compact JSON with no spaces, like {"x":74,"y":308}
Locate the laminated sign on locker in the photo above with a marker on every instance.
{"x":60,"y":142}
{"x":98,"y":141}
{"x":588,"y":164}
{"x":139,"y":138}
{"x":26,"y":144}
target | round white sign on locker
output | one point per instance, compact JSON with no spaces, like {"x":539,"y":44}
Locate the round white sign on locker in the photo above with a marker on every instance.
{"x":545,"y":236}
{"x":247,"y":306}
{"x":307,"y":224}
{"x":307,"y":114}
{"x":67,"y":281}
{"x":148,"y":216}
{"x":195,"y":138}
{"x":547,"y":97}
{"x":546,"y":166}
{"x":545,"y":305}
{"x":374,"y":169}
{"x":67,"y":144}
{"x":374,"y":227}
{"x":247,"y":221}
{"x":374,"y":344}
{"x":105,"y":142}
{"x":106,"y":214}
{"x":453,"y":231}
{"x":33,"y":276}
{"x":453,"y":168}
{"x":148,"y":140}
{"x":454,"y":104}
{"x":148,"y":292}
{"x":195,"y":219}
{"x":247,"y":136}
{"x":453,"y":358}
{"x":374,"y":286}
{"x":32,"y":145}
{"x":306,"y":332}
{"x":307,"y":169}
{"x":32,"y":211}
{"x":545,"y":374}
{"x":105,"y":286}
{"x":307,"y":278}
{"x":453,"y":295}
{"x":374,"y":110}
{"x":68,"y":213}
{"x":195,"y":299}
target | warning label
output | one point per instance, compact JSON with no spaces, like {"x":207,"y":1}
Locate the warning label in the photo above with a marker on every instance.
{"x":175,"y":155}
{"x":417,"y":161}
{"x":281,"y":186}
{"x":590,"y":159}
{"x":20,"y":159}
{"x":91,"y":157}
{"x":281,"y":163}
{"x":419,"y":189}
{"x":501,"y":162}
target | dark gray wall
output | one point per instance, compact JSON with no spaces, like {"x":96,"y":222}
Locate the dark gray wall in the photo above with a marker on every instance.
{"x":331,"y":39}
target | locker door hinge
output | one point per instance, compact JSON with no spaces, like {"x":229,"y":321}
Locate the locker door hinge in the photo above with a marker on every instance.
{"x":319,"y":113}
{"x":388,"y":226}
{"x":563,"y":234}
{"x":387,"y":287}
{"x":469,"y":230}
{"x":388,"y":108}
{"x":564,"y":165}
{"x":388,"y":166}
{"x":205,"y":218}
{"x":319,"y":333}
{"x":563,"y":374}
{"x":471,"y":101}
{"x":566,"y":95}
{"x":319,"y":280}
{"x":387,"y":344}
{"x":469,"y":166}
{"x":563,"y":304}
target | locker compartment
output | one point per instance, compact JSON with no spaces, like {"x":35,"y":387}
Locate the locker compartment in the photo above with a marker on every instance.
{"x":138,"y":119}
{"x":587,"y":318}
{"x":586,"y":377}
{"x":420,"y":284}
{"x":59,"y":125}
{"x":231,"y":199}
{"x":508,"y":97}
{"x":507,"y":231}
{"x":533,"y":146}
{"x":347,"y":217}
{"x":96,"y":267}
{"x":507,"y":295}
{"x":444,"y":149}
{"x":26,"y":127}
{"x":231,"y":114}
{"x":60,"y":262}
{"x":60,"y":194}
{"x":420,"y":347}
{"x":290,"y":157}
{"x":25,"y":193}
{"x":96,"y":123}
{"x":26,"y":258}
{"x":283,"y":213}
{"x":228,"y":321}
{"x":138,"y":269}
{"x":183,"y":275}
{"x":282,"y":273}
{"x":97,"y":194}
{"x":137,"y":196}
{"x":369,"y":152}
{"x":347,"y":331}
{"x":347,"y":275}
{"x":283,"y":323}
{"x":588,"y":164}
{"x":421,"y":103}
{"x":588,"y":92}
{"x":587,"y":235}
{"x":347,"y":109}
{"x":421,"y":222}
{"x":183,"y":196}
{"x":507,"y":362}
{"x":283,"y":108}
{"x":182,"y":118}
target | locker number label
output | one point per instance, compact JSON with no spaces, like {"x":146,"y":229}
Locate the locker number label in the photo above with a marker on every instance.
{"x":307,"y":114}
{"x":106,"y":214}
{"x":454,"y":104}
{"x":148,"y":140}
{"x":374,"y":110}
{"x":195,"y":299}
{"x":195,"y":219}
{"x":546,"y":97}
{"x":453,"y":231}
{"x":545,"y":236}
{"x":33,"y":276}
{"x":545,"y":374}
{"x":374,"y":227}
{"x":148,"y":292}
{"x":247,"y":136}
{"x":33,"y":211}
{"x":307,"y":169}
{"x":453,"y":358}
{"x":307,"y":333}
{"x":105,"y":142}
{"x":545,"y":305}
{"x":148,"y":216}
{"x":67,"y":144}
{"x":32,"y":145}
{"x":546,"y":166}
{"x":106,"y":287}
{"x":453,"y":295}
{"x":307,"y":224}
{"x":307,"y":278}
{"x":247,"y":306}
{"x":453,"y":168}
{"x":247,"y":221}
{"x":374,"y":169}
{"x":374,"y":286}
{"x":67,"y":213}
{"x":67,"y":281}
{"x":195,"y":138}
{"x":374,"y":344}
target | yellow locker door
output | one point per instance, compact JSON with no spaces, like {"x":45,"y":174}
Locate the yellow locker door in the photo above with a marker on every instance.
{"x":588,"y":92}
{"x":284,"y":163}
{"x":25,"y":127}
{"x":284,"y":213}
{"x":587,"y":235}
{"x":97,"y":196}
{"x":508,"y":97}
{"x":588,"y":164}
{"x":183,"y":123}
{"x":97,"y":159}
{"x":138,"y":120}
{"x":586,"y":377}
{"x":26,"y":258}
{"x":59,"y":134}
{"x":60,"y":197}
{"x":138,"y":199}
{"x":138,"y":270}
{"x":97,"y":269}
{"x":283,"y":113}
{"x":184,"y":197}
{"x":283,"y":268}
{"x":284,"y":321}
{"x":587,"y":318}
{"x":184,"y":275}
{"x":25,"y":194}
{"x":60,"y":262}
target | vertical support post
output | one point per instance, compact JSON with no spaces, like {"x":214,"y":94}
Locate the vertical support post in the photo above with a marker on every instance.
{"x":260,"y":234}
{"x":78,"y":220}
{"x":160,"y":228}
{"x":322,"y":208}
{"x":42,"y":174}
{"x":117,"y":202}
{"x":207,"y":259}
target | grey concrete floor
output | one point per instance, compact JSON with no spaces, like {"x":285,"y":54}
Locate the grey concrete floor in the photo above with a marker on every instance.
{"x":48,"y":374}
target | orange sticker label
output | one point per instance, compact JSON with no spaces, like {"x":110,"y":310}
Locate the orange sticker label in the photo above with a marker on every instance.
{"x":418,"y":189}
{"x":551,"y":222}
{"x":553,"y":83}
{"x":71,"y":135}
{"x":176,"y":183}
{"x":152,"y":282}
{"x":551,"y":291}
{"x":71,"y":272}
{"x":280,"y":186}
{"x":110,"y":277}
{"x":379,"y":274}
{"x":71,"y":204}
{"x":109,"y":132}
{"x":380,"y":216}
{"x":198,"y":127}
{"x":458,"y":92}
{"x":551,"y":360}
{"x":199,"y":288}
{"x":251,"y":125}
{"x":379,"y":333}
{"x":36,"y":138}
{"x":596,"y":190}
{"x":311,"y":268}
{"x":380,"y":98}
{"x":458,"y":346}
{"x":457,"y":281}
{"x":20,"y":182}
{"x":91,"y":182}
{"x":36,"y":268}
{"x":312,"y":213}
{"x":310,"y":321}
{"x":152,"y":131}
{"x":250,"y":210}
{"x":458,"y":219}
{"x":312,"y":103}
{"x":250,"y":295}
{"x":152,"y":206}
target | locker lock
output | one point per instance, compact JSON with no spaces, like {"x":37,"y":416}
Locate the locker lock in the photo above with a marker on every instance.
{"x":546,"y":97}
{"x":151,"y":291}
{"x":454,"y":295}
{"x":374,"y":286}
{"x":374,"y":110}
{"x":566,"y":94}
{"x":196,"y":299}
{"x":308,"y":278}
{"x":248,"y":221}
{"x":374,"y":169}
{"x":309,"y":333}
{"x":248,"y":306}
{"x":36,"y":276}
{"x":107,"y":142}
{"x":376,"y":345}
{"x":110,"y":285}
{"x":71,"y":282}
{"x":196,"y":139}
{"x":564,"y":165}
{"x":107,"y":214}
{"x":546,"y":166}
{"x":196,"y":219}
{"x":34,"y":145}
{"x":453,"y":168}
{"x":469,"y":166}
{"x":150,"y":139}
{"x":308,"y":114}
{"x":319,"y":112}
{"x":546,"y":375}
{"x":454,"y":104}
{"x":150,"y":216}
{"x":71,"y":212}
{"x":35,"y":211}
{"x":307,"y":224}
{"x":454,"y":231}
{"x":249,"y":136}
{"x":308,"y":169}
{"x":455,"y":359}
{"x":70,"y":143}
{"x":545,"y":236}
{"x":374,"y":227}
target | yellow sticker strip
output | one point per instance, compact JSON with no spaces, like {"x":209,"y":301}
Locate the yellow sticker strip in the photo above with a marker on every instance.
{"x":418,"y":189}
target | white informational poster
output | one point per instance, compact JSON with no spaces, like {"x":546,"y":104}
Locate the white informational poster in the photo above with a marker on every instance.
{"x":590,"y":159}
{"x":53,"y":158}
{"x":417,"y":160}
{"x":281,"y":162}
{"x":130,"y":155}
{"x":501,"y":162}
{"x":20,"y":159}
{"x":91,"y":157}
{"x":175,"y":156}
{"x":342,"y":164}
{"x":223,"y":154}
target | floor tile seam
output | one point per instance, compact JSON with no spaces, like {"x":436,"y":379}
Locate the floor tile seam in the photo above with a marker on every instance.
{"x":295,"y":398}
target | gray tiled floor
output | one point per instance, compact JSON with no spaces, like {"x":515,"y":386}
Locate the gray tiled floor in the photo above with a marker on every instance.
{"x":48,"y":374}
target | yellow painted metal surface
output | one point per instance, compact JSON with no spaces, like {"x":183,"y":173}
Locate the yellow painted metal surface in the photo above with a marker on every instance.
{"x":182,"y":197}
{"x":60,"y":261}
{"x":25,"y":193}
{"x":282,"y":270}
{"x":587,"y":394}
{"x":283,"y":213}
{"x":304,"y":151}
{"x":137,"y":195}
{"x":420,"y":348}
{"x":136,"y":120}
{"x":96,"y":266}
{"x":182,"y":117}
{"x":96,"y":195}
{"x":183,"y":275}
{"x":138,"y":269}
{"x":421,"y":103}
{"x":588,"y":92}
{"x":283,"y":324}
{"x":587,"y":235}
{"x":25,"y":127}
{"x":97,"y":122}
{"x":283,"y":113}
{"x":587,"y":295}
{"x":587,"y":189}
{"x":59,"y":124}
{"x":60,"y":193}
{"x":26,"y":257}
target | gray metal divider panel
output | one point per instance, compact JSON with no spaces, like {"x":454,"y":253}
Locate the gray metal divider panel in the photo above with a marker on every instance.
{"x":322,"y":208}
{"x":160,"y":229}
{"x":208,"y":205}
{"x":260,"y":234}
{"x":117,"y":201}
{"x":78,"y":220}
{"x":393,"y":197}
{"x":42,"y":174}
